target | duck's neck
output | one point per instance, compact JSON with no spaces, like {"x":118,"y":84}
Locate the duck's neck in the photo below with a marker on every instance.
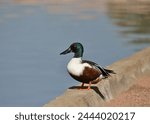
{"x":78,"y":54}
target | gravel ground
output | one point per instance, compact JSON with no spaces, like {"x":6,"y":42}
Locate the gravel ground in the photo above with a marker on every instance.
{"x":138,"y":95}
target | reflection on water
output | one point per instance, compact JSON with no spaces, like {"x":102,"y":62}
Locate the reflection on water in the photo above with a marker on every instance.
{"x":133,"y":17}
{"x":34,"y":32}
{"x":87,"y":9}
{"x":141,"y":41}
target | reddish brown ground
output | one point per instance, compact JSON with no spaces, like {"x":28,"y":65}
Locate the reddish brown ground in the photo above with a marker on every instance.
{"x":137,"y":95}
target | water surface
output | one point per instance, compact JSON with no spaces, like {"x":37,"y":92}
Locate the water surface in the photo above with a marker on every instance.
{"x":34,"y":32}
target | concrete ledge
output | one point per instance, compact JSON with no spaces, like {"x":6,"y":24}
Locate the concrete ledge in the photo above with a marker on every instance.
{"x":128,"y":70}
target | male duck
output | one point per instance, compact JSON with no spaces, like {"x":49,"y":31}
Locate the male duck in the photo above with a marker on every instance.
{"x":83,"y":70}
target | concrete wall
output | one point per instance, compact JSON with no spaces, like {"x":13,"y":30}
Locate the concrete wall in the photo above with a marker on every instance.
{"x":128,"y":70}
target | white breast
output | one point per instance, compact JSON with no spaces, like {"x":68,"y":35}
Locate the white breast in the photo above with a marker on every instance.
{"x":76,"y":67}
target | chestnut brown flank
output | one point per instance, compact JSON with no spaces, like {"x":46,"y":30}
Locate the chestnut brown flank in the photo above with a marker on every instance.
{"x":89,"y":74}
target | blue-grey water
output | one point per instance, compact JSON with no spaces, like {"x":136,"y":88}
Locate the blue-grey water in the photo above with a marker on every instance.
{"x":33,"y":33}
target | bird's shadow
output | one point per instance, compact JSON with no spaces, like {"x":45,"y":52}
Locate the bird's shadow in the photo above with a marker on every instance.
{"x":92,"y":88}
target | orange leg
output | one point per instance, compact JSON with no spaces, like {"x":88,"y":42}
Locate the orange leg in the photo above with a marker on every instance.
{"x":81,"y":86}
{"x":89,"y":87}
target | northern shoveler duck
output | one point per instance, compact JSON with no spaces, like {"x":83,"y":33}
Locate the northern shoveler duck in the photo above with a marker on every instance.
{"x":83,"y":70}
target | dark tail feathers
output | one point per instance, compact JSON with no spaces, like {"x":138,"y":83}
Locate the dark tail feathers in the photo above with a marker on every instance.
{"x":109,"y":71}
{"x":106,"y":72}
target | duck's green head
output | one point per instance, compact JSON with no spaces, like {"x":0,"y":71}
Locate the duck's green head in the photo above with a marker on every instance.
{"x":76,"y":48}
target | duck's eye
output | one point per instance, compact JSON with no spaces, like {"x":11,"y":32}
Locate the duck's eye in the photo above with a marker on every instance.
{"x":74,"y":46}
